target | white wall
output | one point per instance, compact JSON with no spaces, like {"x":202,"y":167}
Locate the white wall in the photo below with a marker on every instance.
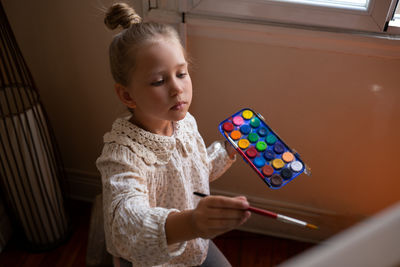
{"x":317,"y":99}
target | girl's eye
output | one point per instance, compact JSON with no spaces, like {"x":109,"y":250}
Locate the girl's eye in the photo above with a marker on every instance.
{"x":157,"y":83}
{"x":182,"y":75}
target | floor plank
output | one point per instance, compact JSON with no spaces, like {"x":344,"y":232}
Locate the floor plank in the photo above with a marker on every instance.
{"x":249,"y":249}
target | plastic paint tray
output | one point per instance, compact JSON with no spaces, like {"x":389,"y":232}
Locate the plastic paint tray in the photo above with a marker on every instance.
{"x":269,"y":156}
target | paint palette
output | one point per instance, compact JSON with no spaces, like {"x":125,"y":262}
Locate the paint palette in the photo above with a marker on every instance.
{"x":274,"y":161}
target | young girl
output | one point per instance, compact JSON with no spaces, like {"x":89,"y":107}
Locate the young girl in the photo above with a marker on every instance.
{"x":154,"y":160}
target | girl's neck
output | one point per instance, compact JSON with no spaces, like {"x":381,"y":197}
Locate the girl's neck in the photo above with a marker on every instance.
{"x":160,"y":127}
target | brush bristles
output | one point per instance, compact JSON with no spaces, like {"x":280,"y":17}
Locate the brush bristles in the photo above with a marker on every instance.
{"x":312,"y":226}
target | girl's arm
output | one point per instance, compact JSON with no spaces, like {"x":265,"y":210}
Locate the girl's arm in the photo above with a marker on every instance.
{"x":219,"y":154}
{"x":213,"y":216}
{"x":134,"y":230}
{"x":220,"y":157}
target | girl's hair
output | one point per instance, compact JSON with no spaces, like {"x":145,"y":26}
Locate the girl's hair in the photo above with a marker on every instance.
{"x":135,"y":33}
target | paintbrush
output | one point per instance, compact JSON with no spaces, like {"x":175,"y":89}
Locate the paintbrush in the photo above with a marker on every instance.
{"x":273,"y":215}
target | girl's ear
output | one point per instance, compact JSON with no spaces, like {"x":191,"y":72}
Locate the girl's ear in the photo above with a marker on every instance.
{"x":124,"y":96}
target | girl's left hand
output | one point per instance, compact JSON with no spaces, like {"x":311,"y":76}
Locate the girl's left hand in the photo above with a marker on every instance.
{"x":229,"y":148}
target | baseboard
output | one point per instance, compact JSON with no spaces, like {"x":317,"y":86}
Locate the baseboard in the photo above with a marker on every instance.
{"x":86,"y":185}
{"x":329,"y":223}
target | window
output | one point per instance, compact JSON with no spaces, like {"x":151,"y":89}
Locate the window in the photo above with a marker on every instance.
{"x":395,"y":21}
{"x":358,"y":15}
{"x":349,"y":4}
{"x":397,"y":13}
{"x":258,"y":21}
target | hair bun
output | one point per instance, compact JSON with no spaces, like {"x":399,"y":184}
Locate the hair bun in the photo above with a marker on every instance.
{"x":121,"y":14}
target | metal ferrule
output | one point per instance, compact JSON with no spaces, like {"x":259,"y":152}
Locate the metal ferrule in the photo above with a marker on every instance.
{"x":287,"y":219}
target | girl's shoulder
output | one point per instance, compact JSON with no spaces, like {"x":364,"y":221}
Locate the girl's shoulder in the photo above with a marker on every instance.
{"x":140,"y":144}
{"x":150,"y":148}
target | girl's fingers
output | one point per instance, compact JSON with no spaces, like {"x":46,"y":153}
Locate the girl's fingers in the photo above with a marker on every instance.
{"x":241,"y":198}
{"x":217,"y":213}
{"x":245,"y":218}
{"x":226,"y":202}
{"x":223,"y":225}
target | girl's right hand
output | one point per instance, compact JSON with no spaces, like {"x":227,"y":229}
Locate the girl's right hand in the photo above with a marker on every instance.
{"x":215,"y":215}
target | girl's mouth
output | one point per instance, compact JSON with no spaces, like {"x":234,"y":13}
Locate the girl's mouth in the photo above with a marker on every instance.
{"x":179,"y":106}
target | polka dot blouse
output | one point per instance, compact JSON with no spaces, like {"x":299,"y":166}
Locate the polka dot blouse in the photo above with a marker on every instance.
{"x":146,"y":176}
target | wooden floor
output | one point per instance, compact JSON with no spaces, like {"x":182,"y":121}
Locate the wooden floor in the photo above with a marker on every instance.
{"x":253,"y":250}
{"x":240,"y":248}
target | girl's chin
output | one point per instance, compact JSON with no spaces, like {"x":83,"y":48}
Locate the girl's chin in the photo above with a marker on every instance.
{"x":178,"y":115}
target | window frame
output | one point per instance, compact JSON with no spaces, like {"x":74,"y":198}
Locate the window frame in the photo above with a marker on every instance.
{"x":177,"y":14}
{"x":393,"y":26}
{"x":372,"y":19}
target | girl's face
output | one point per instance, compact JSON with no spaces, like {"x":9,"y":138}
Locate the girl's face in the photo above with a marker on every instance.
{"x":160,"y":85}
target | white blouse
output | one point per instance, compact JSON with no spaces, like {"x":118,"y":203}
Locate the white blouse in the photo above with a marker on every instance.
{"x":146,"y":176}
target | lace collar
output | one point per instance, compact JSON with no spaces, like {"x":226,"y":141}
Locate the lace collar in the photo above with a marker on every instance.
{"x":153,"y":148}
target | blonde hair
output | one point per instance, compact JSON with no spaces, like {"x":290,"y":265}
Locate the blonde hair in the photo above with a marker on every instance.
{"x":123,"y":48}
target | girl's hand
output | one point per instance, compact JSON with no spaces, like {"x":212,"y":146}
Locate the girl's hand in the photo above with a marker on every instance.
{"x":215,"y":215}
{"x":229,"y":149}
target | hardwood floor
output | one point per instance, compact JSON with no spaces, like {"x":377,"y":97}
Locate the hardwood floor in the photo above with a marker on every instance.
{"x":72,"y":253}
{"x":240,"y":248}
{"x":244,"y":249}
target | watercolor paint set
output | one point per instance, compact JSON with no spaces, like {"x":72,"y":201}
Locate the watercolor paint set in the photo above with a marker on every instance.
{"x":269,"y":156}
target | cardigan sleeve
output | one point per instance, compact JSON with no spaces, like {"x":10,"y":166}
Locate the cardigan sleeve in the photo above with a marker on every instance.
{"x":136,"y":230}
{"x":219,"y":159}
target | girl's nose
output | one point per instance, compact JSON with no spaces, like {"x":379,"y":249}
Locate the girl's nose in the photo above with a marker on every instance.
{"x":176,"y":87}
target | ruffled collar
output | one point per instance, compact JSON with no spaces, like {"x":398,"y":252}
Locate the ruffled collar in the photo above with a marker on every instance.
{"x":153,"y":148}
